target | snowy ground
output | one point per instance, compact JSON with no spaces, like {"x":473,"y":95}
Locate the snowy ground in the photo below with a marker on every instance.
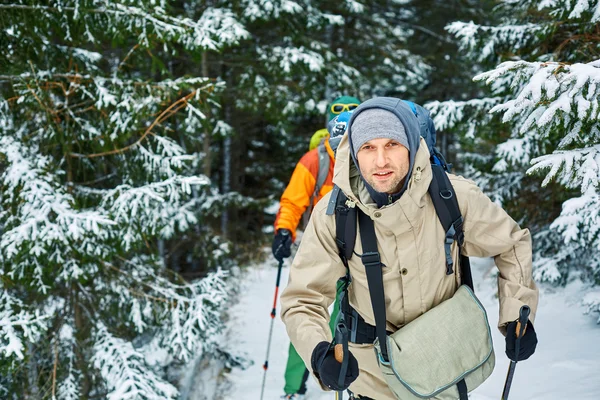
{"x":566,"y":364}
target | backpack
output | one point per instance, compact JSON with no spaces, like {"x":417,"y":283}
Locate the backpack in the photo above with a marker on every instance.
{"x":320,"y":181}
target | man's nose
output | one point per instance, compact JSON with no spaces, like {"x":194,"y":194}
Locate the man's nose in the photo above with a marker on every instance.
{"x":381,"y":160}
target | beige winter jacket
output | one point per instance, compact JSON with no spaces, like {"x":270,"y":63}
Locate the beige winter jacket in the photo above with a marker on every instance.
{"x":411,"y":243}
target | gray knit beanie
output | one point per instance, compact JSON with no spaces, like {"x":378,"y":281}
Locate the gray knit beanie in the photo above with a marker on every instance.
{"x":376,"y":123}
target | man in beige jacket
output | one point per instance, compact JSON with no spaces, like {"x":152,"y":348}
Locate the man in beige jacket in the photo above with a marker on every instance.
{"x":383,"y":165}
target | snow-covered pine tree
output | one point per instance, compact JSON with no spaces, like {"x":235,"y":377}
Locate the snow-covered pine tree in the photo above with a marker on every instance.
{"x":546,"y":93}
{"x":304,"y":51}
{"x":300,"y":56}
{"x":92,"y":176}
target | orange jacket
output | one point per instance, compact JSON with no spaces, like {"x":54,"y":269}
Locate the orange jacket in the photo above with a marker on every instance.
{"x":296,"y":197}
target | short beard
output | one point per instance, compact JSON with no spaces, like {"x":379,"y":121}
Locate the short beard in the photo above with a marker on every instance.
{"x":390,"y":188}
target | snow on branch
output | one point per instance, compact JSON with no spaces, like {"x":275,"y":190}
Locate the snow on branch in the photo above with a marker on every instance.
{"x":167,"y":161}
{"x":195,"y":322}
{"x":125,"y":372}
{"x":215,"y":29}
{"x":579,"y":221}
{"x":17,"y":326}
{"x":68,"y":388}
{"x":550,"y":266}
{"x":288,"y":57}
{"x":553,"y":94}
{"x":470,"y":35}
{"x":448,"y":114}
{"x":574,"y":9}
{"x":188,"y":314}
{"x":158,"y":205}
{"x":101,"y":81}
{"x":514,"y":151}
{"x":265,"y":9}
{"x":45,"y":216}
{"x":124,"y":106}
{"x":354,"y":6}
{"x":557,"y":97}
{"x":574,"y":168}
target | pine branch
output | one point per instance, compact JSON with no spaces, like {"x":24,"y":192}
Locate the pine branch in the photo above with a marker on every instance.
{"x":171,"y":110}
{"x":79,"y":78}
{"x":23,"y":7}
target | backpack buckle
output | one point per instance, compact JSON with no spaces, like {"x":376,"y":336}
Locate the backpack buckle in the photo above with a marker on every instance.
{"x":371,"y":259}
{"x":447,"y":248}
{"x":458,"y":229}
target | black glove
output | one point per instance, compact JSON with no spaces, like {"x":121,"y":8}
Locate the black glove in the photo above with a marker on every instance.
{"x":282,"y":244}
{"x":327,"y":369}
{"x":527,"y":345}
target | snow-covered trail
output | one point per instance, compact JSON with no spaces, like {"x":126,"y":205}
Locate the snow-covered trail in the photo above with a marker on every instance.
{"x":565,"y":365}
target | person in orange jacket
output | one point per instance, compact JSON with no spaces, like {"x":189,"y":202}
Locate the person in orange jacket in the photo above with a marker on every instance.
{"x":299,"y":195}
{"x":311,"y":180}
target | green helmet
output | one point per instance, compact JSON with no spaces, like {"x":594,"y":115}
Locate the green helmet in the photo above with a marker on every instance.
{"x":341,"y":104}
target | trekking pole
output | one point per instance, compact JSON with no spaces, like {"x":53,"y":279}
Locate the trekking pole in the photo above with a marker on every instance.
{"x":519,"y":331}
{"x":340,"y":353}
{"x":266,"y":364}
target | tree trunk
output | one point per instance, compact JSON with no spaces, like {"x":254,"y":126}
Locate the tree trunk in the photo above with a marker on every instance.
{"x":226,"y":186}
{"x":207,"y":132}
{"x":32,"y":373}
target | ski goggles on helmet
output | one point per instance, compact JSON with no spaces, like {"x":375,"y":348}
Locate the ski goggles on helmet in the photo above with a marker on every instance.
{"x":337,"y":108}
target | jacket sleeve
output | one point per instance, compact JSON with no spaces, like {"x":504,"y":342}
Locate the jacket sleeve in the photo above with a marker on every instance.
{"x":491,"y":232}
{"x":311,"y":288}
{"x":296,"y":198}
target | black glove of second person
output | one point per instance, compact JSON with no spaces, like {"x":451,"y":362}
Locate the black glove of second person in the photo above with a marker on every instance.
{"x":327,"y":369}
{"x":527,"y":345}
{"x":282,"y":244}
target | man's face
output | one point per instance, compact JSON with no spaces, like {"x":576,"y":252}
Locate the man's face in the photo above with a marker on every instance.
{"x":384,"y":164}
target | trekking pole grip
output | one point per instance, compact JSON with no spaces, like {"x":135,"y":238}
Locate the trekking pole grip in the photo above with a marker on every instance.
{"x":519,"y":332}
{"x":522,"y":321}
{"x":338,"y":352}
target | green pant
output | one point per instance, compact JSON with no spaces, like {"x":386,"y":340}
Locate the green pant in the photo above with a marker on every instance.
{"x":296,"y":373}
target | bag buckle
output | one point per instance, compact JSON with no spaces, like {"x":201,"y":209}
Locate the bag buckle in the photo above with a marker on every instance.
{"x":382,"y":360}
{"x":371,"y":259}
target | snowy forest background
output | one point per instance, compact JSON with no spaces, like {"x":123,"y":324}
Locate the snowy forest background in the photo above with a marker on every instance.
{"x":143,"y":144}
